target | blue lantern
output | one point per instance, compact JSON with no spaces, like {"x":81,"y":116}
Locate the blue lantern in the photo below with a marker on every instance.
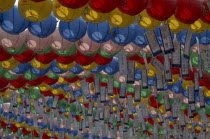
{"x":99,"y":32}
{"x":182,"y":37}
{"x":138,"y":75}
{"x":140,"y":39}
{"x":76,"y":69}
{"x":56,"y":69}
{"x":204,"y":37}
{"x":55,"y":86}
{"x":124,"y":36}
{"x":43,"y":29}
{"x":39,"y":72}
{"x":98,"y":69}
{"x":13,"y":22}
{"x":73,"y":31}
{"x":22,"y":68}
{"x":112,"y":67}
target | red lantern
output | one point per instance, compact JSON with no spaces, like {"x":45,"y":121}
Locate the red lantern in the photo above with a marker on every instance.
{"x":46,"y":93}
{"x":132,"y":7}
{"x":71,"y":80}
{"x":19,"y":82}
{"x":25,"y":57}
{"x":206,"y":18}
{"x":83,"y":59}
{"x":37,"y":81}
{"x":102,"y":60}
{"x":66,"y":59}
{"x":161,"y":9}
{"x":3,"y":82}
{"x":74,"y":4}
{"x":25,"y":131}
{"x":46,"y":58}
{"x":13,"y":127}
{"x":104,"y":6}
{"x":188,"y":11}
{"x":153,"y":102}
{"x":50,"y":81}
{"x":4,"y":55}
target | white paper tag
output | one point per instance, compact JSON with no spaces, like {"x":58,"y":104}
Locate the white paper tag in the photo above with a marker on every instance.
{"x":126,"y":118}
{"x":55,"y":101}
{"x":137,"y":96}
{"x":176,"y":56}
{"x":85,"y":88}
{"x":156,"y":63}
{"x":90,"y":109}
{"x":111,"y":119}
{"x":144,"y":110}
{"x":166,"y":102}
{"x":182,"y":119}
{"x":190,"y":114}
{"x":130,"y":104}
{"x":187,"y":44}
{"x":110,"y":86}
{"x":153,"y":43}
{"x":160,"y":86}
{"x":206,"y":58}
{"x":203,"y":116}
{"x":122,"y":89}
{"x":196,"y":79}
{"x":144,"y":79}
{"x":167,"y":69}
{"x":192,"y":107}
{"x":191,"y":93}
{"x":201,"y":96}
{"x":167,"y":39}
{"x":97,"y":85}
{"x":118,"y":117}
{"x":185,"y":67}
{"x":102,"y":94}
{"x":131,"y":69}
{"x":122,"y":62}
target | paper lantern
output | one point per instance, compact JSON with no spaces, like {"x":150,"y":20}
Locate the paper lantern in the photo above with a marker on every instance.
{"x":204,"y":38}
{"x":39,"y":72}
{"x":88,"y":47}
{"x":59,"y":43}
{"x":123,"y":36}
{"x":109,"y":49}
{"x":75,"y":4}
{"x":4,"y":55}
{"x":9,"y":64}
{"x":92,"y":16}
{"x":131,"y":49}
{"x":199,"y":26}
{"x":103,"y":6}
{"x":54,"y":68}
{"x":13,"y":22}
{"x":98,"y":69}
{"x":66,"y":14}
{"x":76,"y":69}
{"x":182,"y":37}
{"x":46,"y":58}
{"x":22,"y":68}
{"x":132,"y":7}
{"x":119,"y":19}
{"x":112,"y":67}
{"x":161,"y":9}
{"x":101,"y":60}
{"x":140,"y":39}
{"x":175,"y":25}
{"x":73,"y":31}
{"x":11,"y":41}
{"x":188,"y":11}
{"x":100,"y":32}
{"x":6,"y":5}
{"x":34,"y":11}
{"x":43,"y":29}
{"x":146,"y":22}
{"x":84,"y":59}
{"x":38,"y":44}
{"x":25,"y":57}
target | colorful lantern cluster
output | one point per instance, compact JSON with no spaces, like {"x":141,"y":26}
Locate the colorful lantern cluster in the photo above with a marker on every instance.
{"x":95,"y":74}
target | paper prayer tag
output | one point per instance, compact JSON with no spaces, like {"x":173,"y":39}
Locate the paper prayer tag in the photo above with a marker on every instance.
{"x":153,"y":43}
{"x":137,"y":96}
{"x":206,"y":57}
{"x":176,"y":55}
{"x":97,"y":86}
{"x":167,"y":39}
{"x":131,"y":69}
{"x":167,"y":69}
{"x":123,"y":68}
{"x":157,"y":64}
{"x":85,"y":88}
{"x":122,"y":89}
{"x":185,"y":67}
{"x":110,"y":86}
{"x":191,"y":96}
{"x":144,"y":79}
{"x":187,"y":44}
{"x":160,"y":85}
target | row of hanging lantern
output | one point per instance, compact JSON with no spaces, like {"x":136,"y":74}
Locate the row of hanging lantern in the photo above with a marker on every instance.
{"x":178,"y":13}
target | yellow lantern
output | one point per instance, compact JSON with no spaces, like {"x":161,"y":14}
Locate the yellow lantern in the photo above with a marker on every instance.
{"x":9,"y":64}
{"x":6,"y":5}
{"x":146,"y":22}
{"x":44,"y":87}
{"x":92,"y":66}
{"x":186,"y":84}
{"x":199,"y":26}
{"x":119,"y":19}
{"x":92,"y":16}
{"x":38,"y":65}
{"x":35,"y":11}
{"x":66,"y":14}
{"x":57,"y":91}
{"x":175,"y":78}
{"x":66,"y":66}
{"x":206,"y":92}
{"x":176,"y":26}
{"x":61,"y":80}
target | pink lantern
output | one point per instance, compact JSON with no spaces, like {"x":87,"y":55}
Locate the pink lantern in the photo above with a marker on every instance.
{"x":111,"y":47}
{"x":11,"y":41}
{"x":38,"y":44}
{"x":132,"y":49}
{"x":87,"y":46}
{"x":59,"y":43}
